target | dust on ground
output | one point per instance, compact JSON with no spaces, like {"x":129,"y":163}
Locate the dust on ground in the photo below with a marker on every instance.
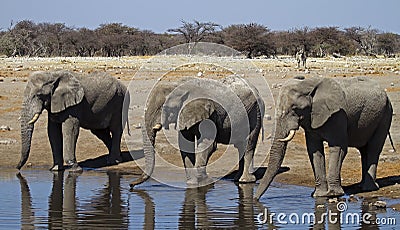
{"x":92,"y":153}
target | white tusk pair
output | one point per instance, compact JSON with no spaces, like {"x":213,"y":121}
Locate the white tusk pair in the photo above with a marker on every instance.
{"x":34,"y":119}
{"x":289,"y":137}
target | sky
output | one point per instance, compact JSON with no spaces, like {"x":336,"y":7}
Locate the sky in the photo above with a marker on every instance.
{"x":159,"y":16}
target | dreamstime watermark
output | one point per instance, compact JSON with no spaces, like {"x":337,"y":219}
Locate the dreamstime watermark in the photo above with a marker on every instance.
{"x":338,"y":216}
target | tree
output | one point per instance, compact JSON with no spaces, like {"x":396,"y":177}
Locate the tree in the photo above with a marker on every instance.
{"x":388,"y":43}
{"x":301,"y":39}
{"x":326,"y":39}
{"x":253,"y":39}
{"x":196,"y":31}
{"x":49,"y":39}
{"x":366,"y":38}
{"x":115,"y":38}
{"x":6,"y":44}
{"x":23,"y":36}
{"x":81,"y":42}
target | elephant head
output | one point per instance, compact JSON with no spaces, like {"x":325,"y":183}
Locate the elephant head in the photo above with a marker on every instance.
{"x":53,"y":91}
{"x":185,"y":113}
{"x":302,"y":102}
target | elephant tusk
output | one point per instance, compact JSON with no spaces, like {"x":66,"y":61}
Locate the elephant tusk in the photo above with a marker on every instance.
{"x":34,"y":119}
{"x":289,"y":137}
{"x":157,"y":127}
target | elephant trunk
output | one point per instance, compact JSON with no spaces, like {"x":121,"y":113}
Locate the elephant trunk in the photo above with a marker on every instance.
{"x":277,"y":153}
{"x":29,"y":116}
{"x":149,"y":138}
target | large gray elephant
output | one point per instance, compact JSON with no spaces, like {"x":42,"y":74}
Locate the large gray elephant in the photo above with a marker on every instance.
{"x":352,"y":112}
{"x":92,"y":102}
{"x":227,"y":111}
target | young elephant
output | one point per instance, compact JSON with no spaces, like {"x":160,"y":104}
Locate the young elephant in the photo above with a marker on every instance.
{"x":206,"y":112}
{"x":92,"y":102}
{"x":353,"y":112}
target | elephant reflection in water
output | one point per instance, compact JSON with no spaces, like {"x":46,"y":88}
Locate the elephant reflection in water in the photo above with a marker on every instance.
{"x":327,"y":215}
{"x":27,"y":213}
{"x":62,"y":205}
{"x":108,"y":203}
{"x":106,"y":208}
{"x":62,"y":201}
{"x":195,"y":213}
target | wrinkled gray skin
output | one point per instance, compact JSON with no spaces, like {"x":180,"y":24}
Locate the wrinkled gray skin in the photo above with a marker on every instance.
{"x":353,"y":112}
{"x":206,"y":121}
{"x":92,"y":102}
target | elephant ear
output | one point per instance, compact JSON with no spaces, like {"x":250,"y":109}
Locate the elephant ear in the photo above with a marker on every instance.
{"x":194,"y":112}
{"x":328,"y":99}
{"x":68,"y":92}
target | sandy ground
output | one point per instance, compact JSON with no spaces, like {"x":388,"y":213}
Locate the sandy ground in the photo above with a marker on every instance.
{"x":92,"y":153}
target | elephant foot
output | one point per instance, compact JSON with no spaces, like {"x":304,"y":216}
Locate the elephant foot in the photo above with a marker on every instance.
{"x":335,"y":191}
{"x":319,"y":193}
{"x":198,"y":177}
{"x":199,"y":182}
{"x":70,"y":163}
{"x":205,"y":181}
{"x":247,"y":178}
{"x":75,"y":168}
{"x":57,"y":168}
{"x":192,"y":182}
{"x":321,"y":190}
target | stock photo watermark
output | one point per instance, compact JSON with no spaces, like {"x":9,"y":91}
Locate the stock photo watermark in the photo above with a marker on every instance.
{"x":338,"y":216}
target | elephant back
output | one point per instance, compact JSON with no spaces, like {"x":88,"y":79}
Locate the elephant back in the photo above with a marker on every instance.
{"x":101,"y":82}
{"x":246,"y":92}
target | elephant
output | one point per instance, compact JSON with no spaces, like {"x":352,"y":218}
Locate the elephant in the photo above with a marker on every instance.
{"x":204,"y":113}
{"x":94,"y":102}
{"x":351,"y":112}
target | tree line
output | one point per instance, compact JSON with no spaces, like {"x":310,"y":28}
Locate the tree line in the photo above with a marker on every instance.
{"x":27,"y":38}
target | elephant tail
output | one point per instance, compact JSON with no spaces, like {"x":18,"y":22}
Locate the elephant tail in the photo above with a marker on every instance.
{"x":391,"y":141}
{"x":262,"y":133}
{"x":129,"y":129}
{"x":125,"y":111}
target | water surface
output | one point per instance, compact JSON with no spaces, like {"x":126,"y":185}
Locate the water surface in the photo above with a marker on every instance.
{"x":101,"y":199}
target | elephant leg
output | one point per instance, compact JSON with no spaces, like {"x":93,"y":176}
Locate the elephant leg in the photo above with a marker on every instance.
{"x":105,"y":136}
{"x":369,"y":161}
{"x":70,"y":132}
{"x":364,"y":159}
{"x":315,"y":149}
{"x":115,"y":153}
{"x":370,"y":158}
{"x":245,"y":174}
{"x":336,"y":157}
{"x":373,"y":149}
{"x":55,"y":137}
{"x":186,"y":143}
{"x":204,"y":150}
